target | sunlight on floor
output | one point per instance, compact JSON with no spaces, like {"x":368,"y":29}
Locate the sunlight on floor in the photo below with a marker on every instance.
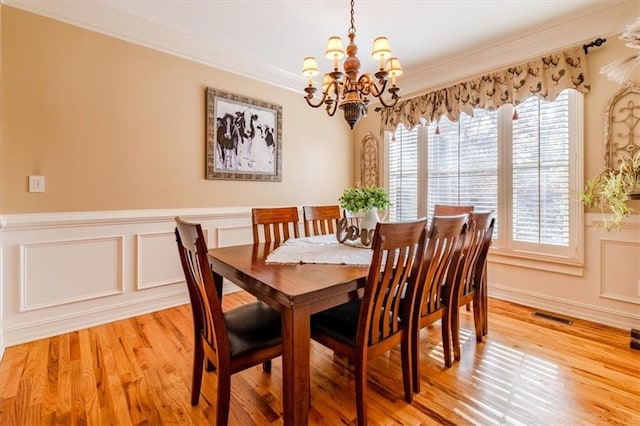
{"x":531,"y":381}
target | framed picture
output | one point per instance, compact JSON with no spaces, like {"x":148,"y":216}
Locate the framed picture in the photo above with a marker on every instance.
{"x":244,"y":138}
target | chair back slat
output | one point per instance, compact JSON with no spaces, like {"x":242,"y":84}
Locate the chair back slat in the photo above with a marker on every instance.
{"x":320,"y":220}
{"x":440,"y":263}
{"x":479,"y":276}
{"x":397,"y":252}
{"x":399,"y":276}
{"x":205,"y":301}
{"x":276,"y":224}
{"x":479,"y":235}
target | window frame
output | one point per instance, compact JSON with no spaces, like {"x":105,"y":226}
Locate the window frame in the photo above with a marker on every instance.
{"x":563,"y":259}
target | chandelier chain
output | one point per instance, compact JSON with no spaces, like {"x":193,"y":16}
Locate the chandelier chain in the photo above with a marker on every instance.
{"x":353,"y":20}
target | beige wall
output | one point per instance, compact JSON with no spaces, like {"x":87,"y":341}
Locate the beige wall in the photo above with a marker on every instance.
{"x":112,"y":125}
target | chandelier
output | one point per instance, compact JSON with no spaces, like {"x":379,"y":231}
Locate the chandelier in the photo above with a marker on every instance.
{"x":348,"y":90}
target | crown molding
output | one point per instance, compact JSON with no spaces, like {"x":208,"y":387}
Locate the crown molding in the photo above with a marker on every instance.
{"x":101,"y":18}
{"x":604,"y":22}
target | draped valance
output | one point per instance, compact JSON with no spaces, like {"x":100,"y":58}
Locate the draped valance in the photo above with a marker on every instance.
{"x":545,"y":77}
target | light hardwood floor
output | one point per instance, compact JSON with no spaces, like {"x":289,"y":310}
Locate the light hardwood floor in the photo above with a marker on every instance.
{"x":528,"y":371}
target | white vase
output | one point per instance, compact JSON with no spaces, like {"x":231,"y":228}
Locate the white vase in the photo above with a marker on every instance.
{"x":370,"y":219}
{"x":368,"y":227}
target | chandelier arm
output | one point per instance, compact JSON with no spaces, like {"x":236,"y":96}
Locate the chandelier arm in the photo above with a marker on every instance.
{"x":332,"y":101}
{"x":331,"y":108}
{"x":364,"y":83}
{"x":394,"y":99}
{"x":319,"y":104}
{"x":372,"y":87}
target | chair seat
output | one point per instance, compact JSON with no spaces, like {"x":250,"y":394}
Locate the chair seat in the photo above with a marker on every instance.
{"x":251,"y":327}
{"x":339,"y":323}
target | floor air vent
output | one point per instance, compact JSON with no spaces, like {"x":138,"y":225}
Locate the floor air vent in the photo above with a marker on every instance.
{"x":553,"y":318}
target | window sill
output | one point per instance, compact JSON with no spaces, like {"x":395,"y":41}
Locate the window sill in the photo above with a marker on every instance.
{"x":538,"y":262}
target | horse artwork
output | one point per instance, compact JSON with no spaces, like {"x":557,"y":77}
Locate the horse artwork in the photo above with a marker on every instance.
{"x":243,"y":138}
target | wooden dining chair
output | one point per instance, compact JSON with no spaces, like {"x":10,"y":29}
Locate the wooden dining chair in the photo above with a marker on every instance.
{"x":229,"y":341}
{"x":434,"y":288}
{"x":468,"y":282}
{"x":365,"y":328}
{"x":320,"y":220}
{"x":448,"y":210}
{"x":276,"y":224}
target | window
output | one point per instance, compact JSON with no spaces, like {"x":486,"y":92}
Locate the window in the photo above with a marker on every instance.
{"x":526,"y":166}
{"x":403,"y":175}
{"x":540,"y":172}
{"x":462,"y":162}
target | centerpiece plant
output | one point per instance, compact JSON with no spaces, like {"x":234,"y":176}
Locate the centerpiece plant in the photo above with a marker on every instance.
{"x":612,"y":190}
{"x":364,"y":198}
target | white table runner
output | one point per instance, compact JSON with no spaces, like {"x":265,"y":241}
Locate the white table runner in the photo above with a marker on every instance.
{"x":320,"y":249}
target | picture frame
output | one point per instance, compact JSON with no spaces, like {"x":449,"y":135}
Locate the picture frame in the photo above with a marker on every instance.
{"x":243,"y":138}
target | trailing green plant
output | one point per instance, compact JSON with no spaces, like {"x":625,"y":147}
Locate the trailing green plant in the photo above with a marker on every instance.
{"x":612,"y":189}
{"x":364,"y":198}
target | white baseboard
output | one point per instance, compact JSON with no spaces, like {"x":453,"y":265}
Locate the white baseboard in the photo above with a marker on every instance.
{"x":583,"y":311}
{"x":30,"y":331}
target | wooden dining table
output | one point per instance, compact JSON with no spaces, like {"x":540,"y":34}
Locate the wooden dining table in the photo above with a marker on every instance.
{"x":297,"y":291}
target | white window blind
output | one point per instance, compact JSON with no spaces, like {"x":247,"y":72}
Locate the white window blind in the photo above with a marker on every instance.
{"x":462,"y":162}
{"x":540,"y":156}
{"x":403,"y":175}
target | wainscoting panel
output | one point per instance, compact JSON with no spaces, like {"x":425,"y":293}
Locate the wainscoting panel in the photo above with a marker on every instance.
{"x":60,"y":272}
{"x":620,"y":270}
{"x":234,"y":235}
{"x":158,"y":262}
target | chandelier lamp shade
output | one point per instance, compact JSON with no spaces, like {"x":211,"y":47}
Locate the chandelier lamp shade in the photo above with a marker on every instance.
{"x":349,"y":90}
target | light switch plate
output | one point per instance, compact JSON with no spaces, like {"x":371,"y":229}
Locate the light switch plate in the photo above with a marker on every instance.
{"x":36,"y":183}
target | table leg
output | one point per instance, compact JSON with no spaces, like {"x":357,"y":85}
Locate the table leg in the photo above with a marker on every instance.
{"x":296,"y":358}
{"x":218,"y":281}
{"x":485,"y":307}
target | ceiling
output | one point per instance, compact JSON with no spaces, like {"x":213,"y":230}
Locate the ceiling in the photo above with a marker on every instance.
{"x":267,"y":39}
